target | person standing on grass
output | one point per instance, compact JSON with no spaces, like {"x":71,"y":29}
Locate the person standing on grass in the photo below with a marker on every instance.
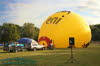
{"x":51,"y":45}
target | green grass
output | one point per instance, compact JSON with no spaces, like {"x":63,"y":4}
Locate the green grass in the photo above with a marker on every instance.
{"x":86,"y":56}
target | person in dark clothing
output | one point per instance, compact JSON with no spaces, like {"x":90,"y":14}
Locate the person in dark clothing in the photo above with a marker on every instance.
{"x":51,"y":45}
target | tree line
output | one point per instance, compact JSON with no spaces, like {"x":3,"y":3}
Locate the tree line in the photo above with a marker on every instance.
{"x":95,"y":30}
{"x":10,"y":32}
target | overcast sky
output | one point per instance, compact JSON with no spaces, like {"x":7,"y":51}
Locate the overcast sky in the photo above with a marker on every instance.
{"x":36,"y":11}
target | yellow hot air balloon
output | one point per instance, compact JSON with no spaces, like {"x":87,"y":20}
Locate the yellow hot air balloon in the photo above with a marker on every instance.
{"x":64,"y":28}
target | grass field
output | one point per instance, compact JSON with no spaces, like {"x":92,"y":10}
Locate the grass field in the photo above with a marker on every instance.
{"x":86,"y":56}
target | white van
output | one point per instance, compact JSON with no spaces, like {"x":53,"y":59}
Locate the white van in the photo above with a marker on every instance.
{"x":35,"y":46}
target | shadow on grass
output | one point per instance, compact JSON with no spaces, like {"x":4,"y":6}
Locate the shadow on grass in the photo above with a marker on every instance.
{"x":17,"y":61}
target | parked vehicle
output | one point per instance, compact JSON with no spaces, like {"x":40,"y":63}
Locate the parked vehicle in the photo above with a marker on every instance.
{"x":13,"y":47}
{"x":35,"y":47}
{"x":31,"y":44}
{"x":16,"y":47}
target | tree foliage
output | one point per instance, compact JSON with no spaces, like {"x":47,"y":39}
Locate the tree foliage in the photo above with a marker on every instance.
{"x":36,"y":33}
{"x":28,"y":30}
{"x":95,"y":30}
{"x":11,"y":32}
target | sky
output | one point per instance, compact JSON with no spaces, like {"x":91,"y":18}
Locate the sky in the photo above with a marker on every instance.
{"x":36,"y":11}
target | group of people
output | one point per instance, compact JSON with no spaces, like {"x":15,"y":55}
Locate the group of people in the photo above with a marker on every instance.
{"x":51,"y":45}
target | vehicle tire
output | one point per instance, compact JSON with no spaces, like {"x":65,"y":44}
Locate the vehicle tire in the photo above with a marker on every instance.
{"x":11,"y":51}
{"x":29,"y":49}
{"x":16,"y":51}
{"x":23,"y":50}
{"x":35,"y":49}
